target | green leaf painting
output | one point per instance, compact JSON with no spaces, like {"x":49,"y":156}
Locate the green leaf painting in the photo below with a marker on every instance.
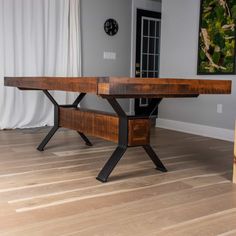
{"x":217,"y":33}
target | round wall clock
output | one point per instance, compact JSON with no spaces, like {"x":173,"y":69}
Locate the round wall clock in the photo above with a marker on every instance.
{"x":111,"y":27}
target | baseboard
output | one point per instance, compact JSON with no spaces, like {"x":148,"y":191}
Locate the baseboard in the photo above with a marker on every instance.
{"x":202,"y":130}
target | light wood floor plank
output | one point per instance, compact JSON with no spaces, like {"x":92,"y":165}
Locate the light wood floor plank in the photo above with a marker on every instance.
{"x":55,"y":192}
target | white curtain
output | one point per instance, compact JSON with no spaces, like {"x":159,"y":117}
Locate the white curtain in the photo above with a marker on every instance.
{"x":37,"y":38}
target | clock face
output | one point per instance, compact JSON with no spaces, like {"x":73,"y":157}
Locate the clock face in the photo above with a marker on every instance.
{"x":111,"y":27}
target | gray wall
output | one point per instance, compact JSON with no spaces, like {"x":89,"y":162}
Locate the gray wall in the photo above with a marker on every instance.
{"x":95,"y":42}
{"x":179,"y":45}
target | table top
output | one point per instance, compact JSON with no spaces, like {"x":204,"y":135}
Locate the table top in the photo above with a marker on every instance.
{"x":124,"y":86}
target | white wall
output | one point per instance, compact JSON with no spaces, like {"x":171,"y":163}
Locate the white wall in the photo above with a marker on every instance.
{"x":179,"y":46}
{"x":95,"y":41}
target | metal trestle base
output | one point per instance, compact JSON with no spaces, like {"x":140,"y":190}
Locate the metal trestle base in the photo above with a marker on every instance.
{"x":123,"y":138}
{"x":56,"y":120}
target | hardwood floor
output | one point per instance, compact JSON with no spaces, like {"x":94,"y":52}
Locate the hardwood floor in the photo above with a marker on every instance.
{"x":56,"y":193}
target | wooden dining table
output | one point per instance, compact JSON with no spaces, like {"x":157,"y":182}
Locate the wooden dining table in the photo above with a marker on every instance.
{"x":119,"y":127}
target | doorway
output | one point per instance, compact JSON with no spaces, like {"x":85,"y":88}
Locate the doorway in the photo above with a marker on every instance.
{"x":148,"y":28}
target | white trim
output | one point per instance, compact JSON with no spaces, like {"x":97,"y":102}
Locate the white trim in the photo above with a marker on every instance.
{"x":202,"y":130}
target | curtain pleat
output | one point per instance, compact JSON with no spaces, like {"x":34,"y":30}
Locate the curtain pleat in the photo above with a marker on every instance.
{"x":37,"y":38}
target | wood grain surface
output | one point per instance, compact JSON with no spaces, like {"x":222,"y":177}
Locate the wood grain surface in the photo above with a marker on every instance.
{"x":104,"y":125}
{"x":100,"y":125}
{"x":70,"y":84}
{"x":124,"y":86}
{"x":55,"y":192}
{"x":162,"y":87}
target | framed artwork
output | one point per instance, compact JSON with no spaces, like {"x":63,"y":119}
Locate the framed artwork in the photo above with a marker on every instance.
{"x":217,"y":37}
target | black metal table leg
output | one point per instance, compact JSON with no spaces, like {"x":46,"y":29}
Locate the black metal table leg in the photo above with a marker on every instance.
{"x":47,"y":138}
{"x":56,"y":122}
{"x":86,"y":140}
{"x":111,"y":163}
{"x":122,"y":141}
{"x":78,"y":99}
{"x":75,"y":104}
{"x":151,"y":153}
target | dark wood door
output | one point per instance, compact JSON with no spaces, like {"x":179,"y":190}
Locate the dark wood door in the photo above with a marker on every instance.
{"x":147,"y":54}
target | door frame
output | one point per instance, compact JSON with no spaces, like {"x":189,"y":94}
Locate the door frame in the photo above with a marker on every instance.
{"x":144,"y":5}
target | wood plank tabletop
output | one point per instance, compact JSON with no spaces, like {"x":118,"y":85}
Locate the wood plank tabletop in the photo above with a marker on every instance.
{"x":124,"y":86}
{"x":161,"y":87}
